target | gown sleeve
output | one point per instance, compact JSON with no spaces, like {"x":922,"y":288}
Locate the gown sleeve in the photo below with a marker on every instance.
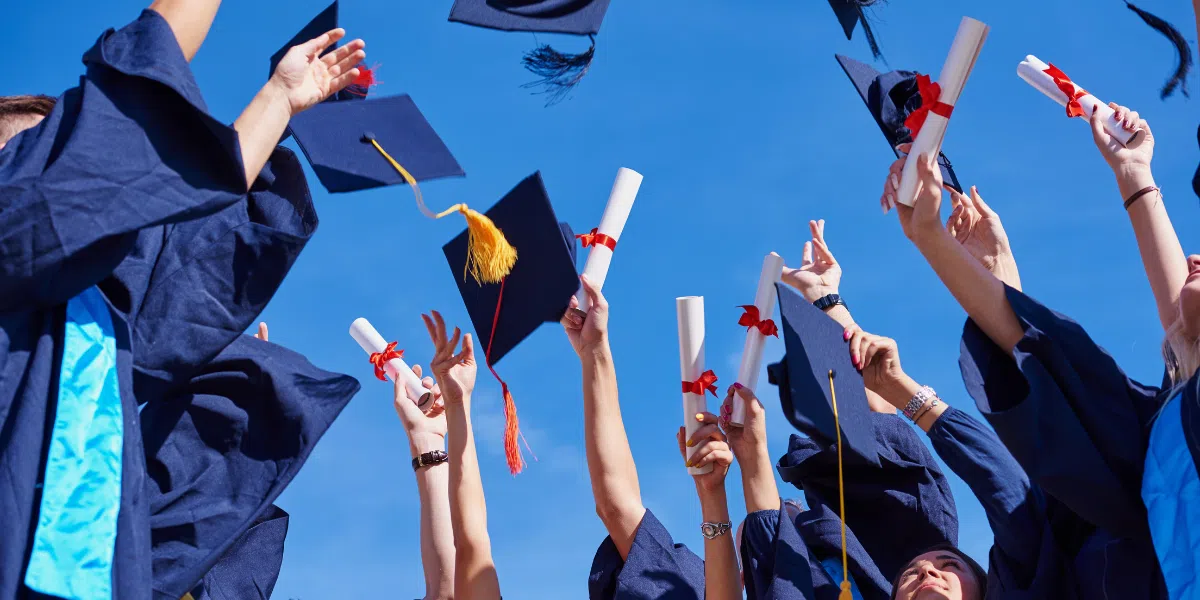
{"x":1067,"y":413}
{"x":131,"y":147}
{"x":656,"y":567}
{"x":776,"y":564}
{"x":250,"y":568}
{"x":222,"y":449}
{"x":897,"y":509}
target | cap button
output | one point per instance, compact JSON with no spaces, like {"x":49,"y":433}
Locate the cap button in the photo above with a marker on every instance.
{"x":367,"y":137}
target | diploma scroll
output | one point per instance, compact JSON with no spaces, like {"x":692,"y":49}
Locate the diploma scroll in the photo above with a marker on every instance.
{"x":966,"y":47}
{"x":690,"y":313}
{"x":752,"y":351}
{"x":1039,"y":75}
{"x":371,"y":342}
{"x":616,"y":213}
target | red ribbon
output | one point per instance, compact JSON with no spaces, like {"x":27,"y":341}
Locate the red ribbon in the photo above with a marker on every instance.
{"x":750,"y":318}
{"x":705,"y":382}
{"x":379,"y":359}
{"x":930,"y":92}
{"x":512,"y":425}
{"x":1067,"y":87}
{"x":595,"y":238}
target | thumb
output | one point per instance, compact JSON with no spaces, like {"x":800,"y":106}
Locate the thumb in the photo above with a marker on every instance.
{"x":1099,"y":135}
{"x":406,"y":408}
{"x":592,"y":289}
{"x":980,"y":205}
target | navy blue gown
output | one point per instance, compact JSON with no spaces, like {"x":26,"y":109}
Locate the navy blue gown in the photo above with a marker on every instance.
{"x":1081,"y":429}
{"x":656,"y":567}
{"x":250,"y":568}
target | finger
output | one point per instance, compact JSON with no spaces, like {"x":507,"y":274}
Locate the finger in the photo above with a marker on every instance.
{"x":346,"y":64}
{"x":317,"y":45}
{"x":592,"y":289}
{"x":416,"y":369}
{"x":1131,"y":120}
{"x":432,"y":331}
{"x":342,"y":81}
{"x":702,"y":454}
{"x":722,"y":456}
{"x":705,"y":418}
{"x":860,"y":349}
{"x":904,"y":148}
{"x":745,"y":393}
{"x":468,"y":353}
{"x":708,"y":431}
{"x":453,"y":345}
{"x":874,"y":347}
{"x":821,"y":230}
{"x":342,"y":53}
{"x":952,"y":222}
{"x":854,"y":340}
{"x":806,"y":259}
{"x":262,"y":331}
{"x":436,"y":410}
{"x":980,"y":205}
{"x":679,"y":438}
{"x":1099,"y":135}
{"x":427,"y":383}
{"x":441,"y":326}
{"x":823,"y":251}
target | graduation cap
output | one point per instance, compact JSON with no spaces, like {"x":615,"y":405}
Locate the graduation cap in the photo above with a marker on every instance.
{"x":891,"y":97}
{"x":558,"y":72}
{"x":850,"y":13}
{"x":1183,"y":62}
{"x":325,"y":21}
{"x":537,"y":291}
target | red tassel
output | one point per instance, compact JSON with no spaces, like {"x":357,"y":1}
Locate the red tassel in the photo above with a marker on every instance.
{"x":365,"y":81}
{"x":512,"y":431}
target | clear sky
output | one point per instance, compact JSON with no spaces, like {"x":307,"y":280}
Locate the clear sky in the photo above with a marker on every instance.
{"x":744,"y":127}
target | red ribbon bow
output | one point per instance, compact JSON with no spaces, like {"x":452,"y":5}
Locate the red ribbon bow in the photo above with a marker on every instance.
{"x":1067,"y":87}
{"x":595,"y":238}
{"x":750,"y":318}
{"x":381,"y":358}
{"x":930,"y":92}
{"x":705,"y":382}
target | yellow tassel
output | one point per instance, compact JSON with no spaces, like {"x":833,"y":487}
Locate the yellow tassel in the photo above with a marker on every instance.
{"x":187,"y":596}
{"x":845,"y":593}
{"x":490,"y":258}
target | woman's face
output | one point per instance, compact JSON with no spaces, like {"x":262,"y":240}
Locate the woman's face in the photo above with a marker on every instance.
{"x":938,"y":575}
{"x":1189,"y":299}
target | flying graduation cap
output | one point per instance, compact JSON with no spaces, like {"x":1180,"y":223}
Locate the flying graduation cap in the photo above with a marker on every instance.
{"x":1183,"y":62}
{"x":537,"y":291}
{"x":891,"y":97}
{"x":558,"y":72}
{"x":357,"y":143}
{"x":849,"y":14}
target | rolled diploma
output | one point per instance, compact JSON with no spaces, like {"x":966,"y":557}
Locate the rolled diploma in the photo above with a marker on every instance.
{"x":371,"y":342}
{"x":1033,"y":71}
{"x":690,"y":312}
{"x":620,"y":202}
{"x":752,"y":351}
{"x":957,"y":68}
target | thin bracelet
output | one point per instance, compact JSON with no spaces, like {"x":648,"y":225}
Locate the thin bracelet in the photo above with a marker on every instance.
{"x":933,"y":404}
{"x":1139,"y":194}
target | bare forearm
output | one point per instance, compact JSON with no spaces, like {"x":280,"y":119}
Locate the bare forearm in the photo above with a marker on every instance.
{"x":720,"y":558}
{"x":758,"y":482}
{"x":1162,"y":255}
{"x":474,"y":570}
{"x":610,"y":461}
{"x":260,"y":127}
{"x":979,"y":292}
{"x":437,"y":530}
{"x":190,"y":20}
{"x":900,"y":392}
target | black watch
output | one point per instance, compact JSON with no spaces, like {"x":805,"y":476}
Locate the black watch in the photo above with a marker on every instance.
{"x":829,"y":301}
{"x":435,"y":457}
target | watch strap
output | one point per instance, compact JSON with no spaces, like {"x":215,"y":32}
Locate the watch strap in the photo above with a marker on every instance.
{"x":829,"y":301}
{"x":430,"y":458}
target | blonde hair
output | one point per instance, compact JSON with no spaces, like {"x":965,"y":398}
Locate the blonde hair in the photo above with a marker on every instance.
{"x":1180,"y":353}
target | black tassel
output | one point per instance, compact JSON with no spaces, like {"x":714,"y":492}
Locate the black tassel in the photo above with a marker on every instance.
{"x":1179,"y":78}
{"x":866,"y":27}
{"x":559,"y":72}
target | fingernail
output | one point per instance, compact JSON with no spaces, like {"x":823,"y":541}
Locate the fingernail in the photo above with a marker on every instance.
{"x":737,"y":386}
{"x":691,"y":443}
{"x":846,"y":335}
{"x":689,"y":464}
{"x":854,"y":360}
{"x":699,"y":417}
{"x":895,"y":181}
{"x":891,"y":199}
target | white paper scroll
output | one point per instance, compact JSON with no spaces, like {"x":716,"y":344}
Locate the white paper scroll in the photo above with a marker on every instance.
{"x":690,"y":313}
{"x":752,"y":351}
{"x":620,"y":202}
{"x":957,"y":68}
{"x":371,"y":342}
{"x":1033,"y":71}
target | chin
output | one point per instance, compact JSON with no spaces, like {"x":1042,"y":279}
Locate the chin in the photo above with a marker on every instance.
{"x":1189,"y":309}
{"x":936,"y":594}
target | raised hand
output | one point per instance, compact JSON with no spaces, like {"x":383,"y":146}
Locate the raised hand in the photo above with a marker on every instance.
{"x":588,"y":331}
{"x":262,"y":331}
{"x":977,"y":227}
{"x":455,"y":372}
{"x":711,"y":449}
{"x":925,"y":214}
{"x":426,"y":430}
{"x":1117,"y":156}
{"x":878,"y":358}
{"x":306,"y":78}
{"x":819,"y":274}
{"x":751,"y":437}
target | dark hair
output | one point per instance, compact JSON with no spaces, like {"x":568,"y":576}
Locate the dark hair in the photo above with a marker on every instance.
{"x":13,"y":108}
{"x":980,"y":574}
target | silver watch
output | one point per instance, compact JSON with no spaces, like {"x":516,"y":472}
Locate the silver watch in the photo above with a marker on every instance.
{"x":712,"y":531}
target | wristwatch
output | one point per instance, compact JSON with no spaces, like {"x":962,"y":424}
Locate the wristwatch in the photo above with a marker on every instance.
{"x":434,"y":457}
{"x":829,"y":301}
{"x":712,"y":531}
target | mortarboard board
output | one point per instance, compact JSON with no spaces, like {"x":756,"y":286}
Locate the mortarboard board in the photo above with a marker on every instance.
{"x":815,"y":352}
{"x":1183,"y":62}
{"x":326,"y":21}
{"x":558,"y":72}
{"x":850,"y":13}
{"x":537,"y":291}
{"x":891,"y":97}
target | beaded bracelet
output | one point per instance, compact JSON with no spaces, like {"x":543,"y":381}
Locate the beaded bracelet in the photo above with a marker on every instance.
{"x":918,"y":400}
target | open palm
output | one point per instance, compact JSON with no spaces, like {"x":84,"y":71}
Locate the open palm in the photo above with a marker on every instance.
{"x":307,"y":78}
{"x":819,"y":274}
{"x":455,"y":373}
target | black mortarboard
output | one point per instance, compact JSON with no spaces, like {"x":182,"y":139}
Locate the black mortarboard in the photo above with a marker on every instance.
{"x":537,"y":291}
{"x":850,"y":13}
{"x":816,"y":355}
{"x":891,"y":97}
{"x":325,"y":21}
{"x":1183,"y":52}
{"x":558,"y":72}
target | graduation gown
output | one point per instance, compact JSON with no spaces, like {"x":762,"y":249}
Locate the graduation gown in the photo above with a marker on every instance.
{"x":897,"y":509}
{"x":656,"y":568}
{"x":250,"y":568}
{"x":1081,"y":428}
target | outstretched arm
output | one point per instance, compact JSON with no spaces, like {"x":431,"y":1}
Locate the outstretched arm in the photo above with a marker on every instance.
{"x":302,"y":79}
{"x":474,"y":571}
{"x":610,"y":461}
{"x":190,"y":20}
{"x":720,"y":557}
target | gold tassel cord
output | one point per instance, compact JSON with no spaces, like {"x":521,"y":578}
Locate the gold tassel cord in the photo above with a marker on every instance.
{"x":490,"y":258}
{"x":845,"y":593}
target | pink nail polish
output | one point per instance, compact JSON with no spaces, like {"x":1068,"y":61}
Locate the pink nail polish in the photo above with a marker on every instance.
{"x":737,"y":385}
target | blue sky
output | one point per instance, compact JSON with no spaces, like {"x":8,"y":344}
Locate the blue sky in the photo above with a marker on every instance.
{"x":744,"y":127}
